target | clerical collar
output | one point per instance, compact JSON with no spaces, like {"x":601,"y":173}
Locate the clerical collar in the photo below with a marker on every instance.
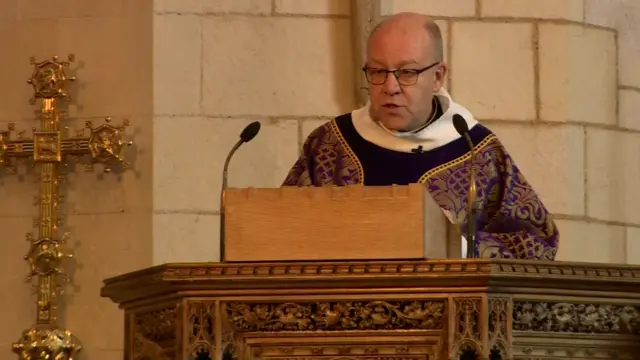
{"x":435,"y":115}
{"x":435,"y":133}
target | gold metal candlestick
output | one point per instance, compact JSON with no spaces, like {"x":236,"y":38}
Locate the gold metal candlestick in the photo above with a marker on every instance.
{"x":47,"y":148}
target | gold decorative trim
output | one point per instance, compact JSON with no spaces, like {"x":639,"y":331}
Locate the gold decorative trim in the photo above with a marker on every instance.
{"x":498,"y":267}
{"x":481,"y":145}
{"x":46,"y":146}
{"x":348,"y":150}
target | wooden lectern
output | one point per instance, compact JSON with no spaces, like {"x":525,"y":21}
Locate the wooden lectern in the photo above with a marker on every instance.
{"x":285,"y":301}
{"x":337,"y":223}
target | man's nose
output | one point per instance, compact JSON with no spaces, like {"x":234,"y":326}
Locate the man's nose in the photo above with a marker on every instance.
{"x":391,"y":86}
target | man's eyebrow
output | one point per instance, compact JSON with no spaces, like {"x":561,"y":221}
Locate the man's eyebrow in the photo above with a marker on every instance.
{"x":375,"y":63}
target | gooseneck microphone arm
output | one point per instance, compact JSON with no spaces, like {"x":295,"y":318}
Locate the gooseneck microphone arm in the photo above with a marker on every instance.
{"x":463,"y":129}
{"x":249,"y":132}
{"x":225,"y":176}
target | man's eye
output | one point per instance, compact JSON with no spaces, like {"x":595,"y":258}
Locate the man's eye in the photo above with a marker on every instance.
{"x":406,"y":72}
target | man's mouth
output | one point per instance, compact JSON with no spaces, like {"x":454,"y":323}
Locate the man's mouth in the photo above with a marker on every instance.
{"x":391,"y":106}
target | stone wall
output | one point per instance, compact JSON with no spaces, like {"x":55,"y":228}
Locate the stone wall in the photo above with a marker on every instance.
{"x":555,"y":80}
{"x":285,"y":63}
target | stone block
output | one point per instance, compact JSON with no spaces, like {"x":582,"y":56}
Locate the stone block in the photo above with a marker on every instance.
{"x":551,"y":159}
{"x":9,"y":10}
{"x":20,"y":41}
{"x":188,"y":165}
{"x":138,"y":8}
{"x":35,"y":9}
{"x":497,"y":81}
{"x":459,"y":8}
{"x":185,"y":237}
{"x":629,"y":108}
{"x":18,"y":308}
{"x":572,"y":89}
{"x":177,"y":66}
{"x":624,"y":16}
{"x":628,"y":55}
{"x":540,"y":9}
{"x":249,"y":67}
{"x":313,"y":7}
{"x":613,"y":171}
{"x":602,"y":13}
{"x":633,"y":245}
{"x":113,"y":63}
{"x":217,"y":6}
{"x":582,"y":241}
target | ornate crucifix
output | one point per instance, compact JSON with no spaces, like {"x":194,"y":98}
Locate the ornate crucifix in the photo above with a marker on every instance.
{"x":47,"y":149}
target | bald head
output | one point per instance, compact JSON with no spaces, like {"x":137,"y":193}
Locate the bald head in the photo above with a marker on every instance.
{"x":411,"y":24}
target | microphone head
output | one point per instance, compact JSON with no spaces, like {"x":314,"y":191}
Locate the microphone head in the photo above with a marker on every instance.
{"x":250,"y":131}
{"x":460,"y":124}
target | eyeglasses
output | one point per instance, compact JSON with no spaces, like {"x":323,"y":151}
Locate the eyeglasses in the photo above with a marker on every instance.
{"x":405,"y":77}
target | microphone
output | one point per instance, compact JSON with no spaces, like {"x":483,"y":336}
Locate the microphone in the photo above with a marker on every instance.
{"x":461,"y":126}
{"x":249,"y":132}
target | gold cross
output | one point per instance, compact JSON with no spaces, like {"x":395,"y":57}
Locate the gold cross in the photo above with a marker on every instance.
{"x":47,"y":149}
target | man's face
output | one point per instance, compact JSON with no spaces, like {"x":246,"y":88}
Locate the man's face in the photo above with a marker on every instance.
{"x":404,"y":101}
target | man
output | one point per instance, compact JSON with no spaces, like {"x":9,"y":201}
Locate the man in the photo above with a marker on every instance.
{"x":405,"y":134}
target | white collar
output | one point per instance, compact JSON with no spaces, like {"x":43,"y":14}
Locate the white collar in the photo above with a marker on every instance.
{"x":439,"y":133}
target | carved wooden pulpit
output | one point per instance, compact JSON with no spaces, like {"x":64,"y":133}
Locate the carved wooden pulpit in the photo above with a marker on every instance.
{"x":359,"y":308}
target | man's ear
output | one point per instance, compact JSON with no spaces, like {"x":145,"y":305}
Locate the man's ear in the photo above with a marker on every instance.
{"x":440,"y":76}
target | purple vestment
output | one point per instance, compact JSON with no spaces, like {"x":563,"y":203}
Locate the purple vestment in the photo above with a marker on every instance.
{"x":515,"y":223}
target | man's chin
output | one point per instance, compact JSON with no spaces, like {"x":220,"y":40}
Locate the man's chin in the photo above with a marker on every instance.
{"x":396,"y":123}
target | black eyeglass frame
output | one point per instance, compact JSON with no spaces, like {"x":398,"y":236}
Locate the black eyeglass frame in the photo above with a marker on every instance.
{"x":413,"y":74}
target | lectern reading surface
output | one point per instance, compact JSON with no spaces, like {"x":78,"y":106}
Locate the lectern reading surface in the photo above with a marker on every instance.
{"x":337,"y":223}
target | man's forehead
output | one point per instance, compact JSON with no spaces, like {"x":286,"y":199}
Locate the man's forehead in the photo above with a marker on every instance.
{"x":399,"y":50}
{"x":409,"y":31}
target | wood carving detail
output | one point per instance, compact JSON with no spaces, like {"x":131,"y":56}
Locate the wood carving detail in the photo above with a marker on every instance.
{"x":200,"y":325}
{"x":576,"y":318}
{"x":374,"y":315}
{"x":155,"y":332}
{"x":499,"y":332}
{"x":547,"y":352}
{"x":467,"y":338}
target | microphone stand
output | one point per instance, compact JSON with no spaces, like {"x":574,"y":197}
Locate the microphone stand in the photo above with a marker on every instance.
{"x":471,"y":201}
{"x":460,"y":124}
{"x":225,"y":176}
{"x":249,"y":132}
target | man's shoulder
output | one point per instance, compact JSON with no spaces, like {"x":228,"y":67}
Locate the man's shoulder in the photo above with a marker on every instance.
{"x":487,"y":139}
{"x":481,"y":130}
{"x":328,"y":127}
{"x":481,"y":133}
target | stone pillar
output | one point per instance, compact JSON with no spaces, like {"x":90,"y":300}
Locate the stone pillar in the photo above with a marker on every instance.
{"x":556,"y":80}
